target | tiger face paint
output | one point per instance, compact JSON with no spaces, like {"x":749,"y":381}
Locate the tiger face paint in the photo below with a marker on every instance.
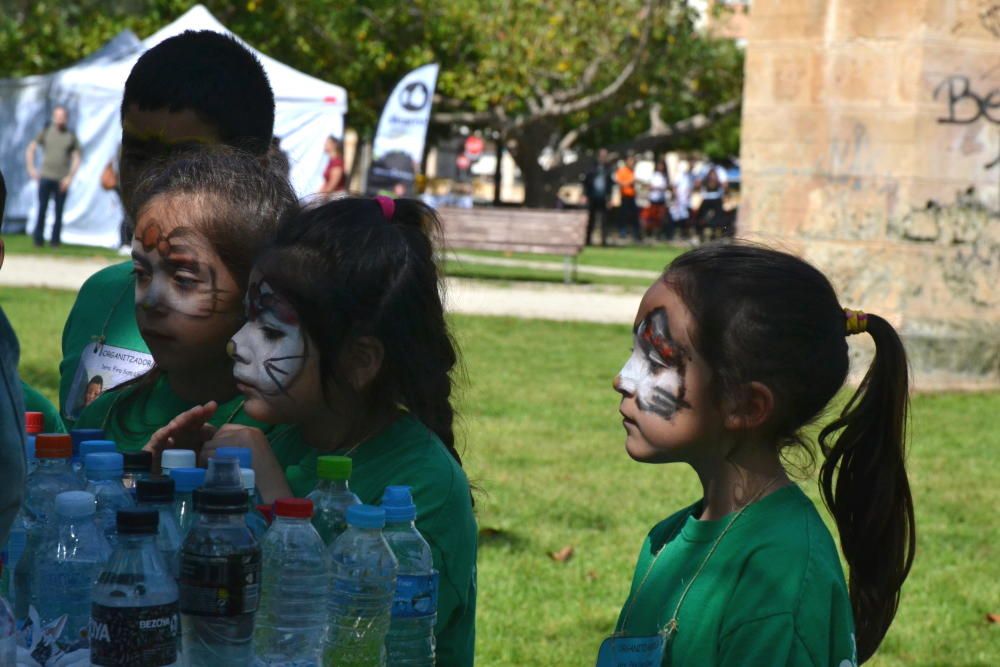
{"x":654,"y":373}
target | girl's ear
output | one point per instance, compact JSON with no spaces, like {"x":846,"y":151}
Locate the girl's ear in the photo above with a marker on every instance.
{"x":755,"y":407}
{"x":364,"y":361}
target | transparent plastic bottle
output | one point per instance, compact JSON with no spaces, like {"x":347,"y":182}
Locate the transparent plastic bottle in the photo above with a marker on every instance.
{"x":67,"y":565}
{"x":332,"y":496}
{"x":255,"y":520}
{"x":363,"y":585}
{"x":223,"y":472}
{"x":414,"y":608}
{"x":134,"y":605}
{"x":157,"y":493}
{"x":8,"y":634}
{"x":242,"y":454}
{"x":34,"y":424}
{"x":52,"y":475}
{"x":17,"y":540}
{"x":186,"y":480}
{"x":104,"y":480}
{"x":96,"y":447}
{"x":296,"y":572}
{"x":176,"y":458}
{"x":138,"y":465}
{"x":220,"y":581}
{"x":79,"y":436}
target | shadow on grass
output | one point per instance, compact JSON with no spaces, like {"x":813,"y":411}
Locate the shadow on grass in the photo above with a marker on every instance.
{"x":493,"y":538}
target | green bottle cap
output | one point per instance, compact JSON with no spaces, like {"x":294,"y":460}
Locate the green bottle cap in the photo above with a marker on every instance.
{"x":333,"y":467}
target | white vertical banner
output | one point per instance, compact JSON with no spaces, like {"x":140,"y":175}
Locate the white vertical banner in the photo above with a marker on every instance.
{"x":402,"y":131}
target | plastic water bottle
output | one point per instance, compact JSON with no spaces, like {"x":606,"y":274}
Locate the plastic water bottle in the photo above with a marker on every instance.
{"x":296,"y":572}
{"x":255,"y":520}
{"x":332,"y":496}
{"x":171,"y":459}
{"x":34,"y":424}
{"x":134,"y":611}
{"x":104,"y":480}
{"x":242,"y":454}
{"x":220,"y":581}
{"x":223,"y":472}
{"x":186,"y":480}
{"x":414,"y":607}
{"x":8,"y":634}
{"x":52,"y":475}
{"x":17,"y":539}
{"x":138,"y":465}
{"x":78,"y":436}
{"x":157,"y":493}
{"x":363,"y":585}
{"x":67,"y":566}
{"x":96,"y":447}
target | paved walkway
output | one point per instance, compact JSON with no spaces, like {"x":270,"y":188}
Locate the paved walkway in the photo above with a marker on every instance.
{"x":579,"y":303}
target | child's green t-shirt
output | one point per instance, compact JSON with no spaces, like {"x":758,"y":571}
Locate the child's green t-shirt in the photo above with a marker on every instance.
{"x":408,"y":453}
{"x":130,"y":423}
{"x":773,"y":592}
{"x":35,"y":401}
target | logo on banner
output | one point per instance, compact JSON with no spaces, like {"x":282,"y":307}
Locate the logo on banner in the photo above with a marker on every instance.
{"x":414,"y":96}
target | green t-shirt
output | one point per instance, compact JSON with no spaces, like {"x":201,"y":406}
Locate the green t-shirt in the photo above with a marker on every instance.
{"x":155,"y":407}
{"x":773,"y":592}
{"x":105,"y":306}
{"x":34,"y":401}
{"x":408,"y":453}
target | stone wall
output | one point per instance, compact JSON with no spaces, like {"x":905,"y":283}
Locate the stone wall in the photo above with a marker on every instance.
{"x":871,"y":146}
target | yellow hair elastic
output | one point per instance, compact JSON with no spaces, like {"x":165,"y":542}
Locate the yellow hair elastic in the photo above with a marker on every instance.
{"x":857,"y":321}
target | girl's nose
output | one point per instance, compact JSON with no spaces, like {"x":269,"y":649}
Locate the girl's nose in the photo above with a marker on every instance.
{"x":233,"y":352}
{"x":620,"y":386}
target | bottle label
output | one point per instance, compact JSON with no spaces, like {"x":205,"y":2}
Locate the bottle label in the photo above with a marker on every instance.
{"x":416,"y":595}
{"x":220,"y":586}
{"x":134,"y":636}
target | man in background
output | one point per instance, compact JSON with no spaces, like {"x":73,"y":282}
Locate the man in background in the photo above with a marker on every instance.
{"x":597,"y":189}
{"x":60,"y":160}
{"x":628,"y":213}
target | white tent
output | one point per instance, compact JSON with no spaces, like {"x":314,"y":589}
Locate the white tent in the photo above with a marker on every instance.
{"x":307,"y":110}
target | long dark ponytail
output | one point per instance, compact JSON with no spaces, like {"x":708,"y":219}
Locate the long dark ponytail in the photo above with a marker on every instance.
{"x":351,"y":270}
{"x":767,"y":316}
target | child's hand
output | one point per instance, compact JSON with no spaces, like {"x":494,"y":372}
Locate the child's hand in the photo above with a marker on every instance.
{"x":188,"y":430}
{"x":270,"y":476}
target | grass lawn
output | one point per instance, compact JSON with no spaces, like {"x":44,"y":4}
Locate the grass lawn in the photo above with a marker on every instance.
{"x":21,"y":244}
{"x":544,"y":445}
{"x":649,"y":258}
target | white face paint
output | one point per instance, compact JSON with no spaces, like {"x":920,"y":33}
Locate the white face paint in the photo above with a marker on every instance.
{"x":654,"y":373}
{"x":271,"y":349}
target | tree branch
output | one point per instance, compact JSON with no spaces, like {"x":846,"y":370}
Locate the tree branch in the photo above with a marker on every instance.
{"x":661,"y":133}
{"x":464,"y":117}
{"x":573,"y":135}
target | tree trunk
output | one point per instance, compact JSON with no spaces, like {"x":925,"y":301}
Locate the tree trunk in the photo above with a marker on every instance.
{"x":541,"y":188}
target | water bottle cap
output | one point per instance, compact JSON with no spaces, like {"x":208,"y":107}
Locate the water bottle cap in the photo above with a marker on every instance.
{"x":95,"y":446}
{"x":220,"y":501}
{"x":223,"y":473}
{"x":137,"y":521}
{"x":73,"y":504}
{"x":103,"y":462}
{"x":155,"y":490}
{"x":187,"y":480}
{"x":365,"y":516}
{"x":53,"y":446}
{"x":294,"y":508}
{"x":266,"y":511}
{"x":249,"y":478}
{"x":333,"y":467}
{"x":398,"y":504}
{"x":178,"y":458}
{"x":79,"y":435}
{"x":140,"y":461}
{"x":34,"y":423}
{"x":243,"y":454}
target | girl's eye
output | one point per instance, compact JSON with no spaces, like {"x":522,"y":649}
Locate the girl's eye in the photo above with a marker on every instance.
{"x":184,"y":282}
{"x":272,"y":334}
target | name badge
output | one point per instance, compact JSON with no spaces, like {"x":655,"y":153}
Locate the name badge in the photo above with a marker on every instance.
{"x":103,"y":367}
{"x":632,"y":651}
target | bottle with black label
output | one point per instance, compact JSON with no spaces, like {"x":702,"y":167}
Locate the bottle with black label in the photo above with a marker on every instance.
{"x":134,"y":619}
{"x":220,"y":581}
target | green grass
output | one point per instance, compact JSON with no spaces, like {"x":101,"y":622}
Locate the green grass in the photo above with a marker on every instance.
{"x":506,"y":274}
{"x":648,"y":258}
{"x":21,"y":244}
{"x":544,"y":445}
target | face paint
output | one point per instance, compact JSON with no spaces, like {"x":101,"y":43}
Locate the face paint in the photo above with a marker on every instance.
{"x":654,"y":373}
{"x":271,"y":348}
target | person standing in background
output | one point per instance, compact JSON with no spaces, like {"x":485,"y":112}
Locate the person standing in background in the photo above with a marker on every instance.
{"x":655,"y":216}
{"x":628,"y":213}
{"x":597,"y":189}
{"x":680,"y":205}
{"x":334,"y":182}
{"x":713,"y":184}
{"x":61,"y":159}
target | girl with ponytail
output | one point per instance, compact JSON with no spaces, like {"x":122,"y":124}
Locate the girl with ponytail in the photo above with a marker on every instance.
{"x":738,"y":348}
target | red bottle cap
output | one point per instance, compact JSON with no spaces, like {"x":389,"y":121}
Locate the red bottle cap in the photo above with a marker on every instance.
{"x":53,"y":446}
{"x":266,"y":511}
{"x":295,"y":508}
{"x":34,"y":423}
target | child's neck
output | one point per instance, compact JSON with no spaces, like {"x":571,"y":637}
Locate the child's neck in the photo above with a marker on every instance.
{"x":330,"y":431}
{"x":203,"y":385}
{"x":747,"y":475}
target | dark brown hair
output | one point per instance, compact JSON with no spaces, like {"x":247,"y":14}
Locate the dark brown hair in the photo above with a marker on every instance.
{"x":767,"y":316}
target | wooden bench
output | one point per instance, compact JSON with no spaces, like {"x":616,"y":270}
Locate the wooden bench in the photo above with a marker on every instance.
{"x":530,"y":230}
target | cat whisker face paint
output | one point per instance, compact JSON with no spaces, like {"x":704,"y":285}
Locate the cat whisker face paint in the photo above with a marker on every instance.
{"x":271,"y":350}
{"x":654,"y":374}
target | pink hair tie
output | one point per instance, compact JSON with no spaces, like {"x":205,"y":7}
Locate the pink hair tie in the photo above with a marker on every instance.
{"x":387,"y":205}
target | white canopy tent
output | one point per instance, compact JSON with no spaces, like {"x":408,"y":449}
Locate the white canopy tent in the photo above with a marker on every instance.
{"x":307,"y":110}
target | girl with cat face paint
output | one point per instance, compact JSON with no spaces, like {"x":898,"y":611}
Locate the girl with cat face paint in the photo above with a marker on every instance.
{"x":735,"y":349}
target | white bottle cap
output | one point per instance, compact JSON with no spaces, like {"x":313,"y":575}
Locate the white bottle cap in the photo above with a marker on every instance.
{"x":177,"y":458}
{"x":249,"y":478}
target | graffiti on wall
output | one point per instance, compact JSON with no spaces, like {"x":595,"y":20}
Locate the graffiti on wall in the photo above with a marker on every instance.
{"x":966,"y":105}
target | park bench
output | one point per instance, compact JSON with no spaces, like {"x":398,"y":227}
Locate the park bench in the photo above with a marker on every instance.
{"x":538,"y":231}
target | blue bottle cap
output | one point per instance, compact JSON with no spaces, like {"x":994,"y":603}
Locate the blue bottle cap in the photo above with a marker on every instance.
{"x":243,"y":454}
{"x":73,"y":504}
{"x":398,"y":504}
{"x":95,"y":446}
{"x":187,"y":480}
{"x":79,"y":435}
{"x":365,"y":516}
{"x":104,"y":462}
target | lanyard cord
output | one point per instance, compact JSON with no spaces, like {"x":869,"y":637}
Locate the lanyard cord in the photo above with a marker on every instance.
{"x":99,"y":339}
